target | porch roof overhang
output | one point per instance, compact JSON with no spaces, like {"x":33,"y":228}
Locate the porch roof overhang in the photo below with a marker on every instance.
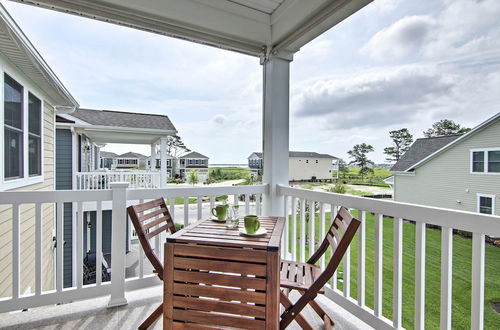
{"x":253,"y":27}
{"x":124,"y":135}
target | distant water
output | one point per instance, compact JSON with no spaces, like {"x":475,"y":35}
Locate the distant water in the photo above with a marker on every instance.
{"x":228,"y":165}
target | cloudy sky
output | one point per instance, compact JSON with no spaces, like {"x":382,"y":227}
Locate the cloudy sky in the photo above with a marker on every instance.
{"x":394,"y":64}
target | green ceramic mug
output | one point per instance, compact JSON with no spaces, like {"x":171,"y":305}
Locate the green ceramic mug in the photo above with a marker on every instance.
{"x":252,"y":223}
{"x":220,"y":211}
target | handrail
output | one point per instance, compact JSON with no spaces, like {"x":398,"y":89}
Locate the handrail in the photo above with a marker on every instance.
{"x":483,"y":223}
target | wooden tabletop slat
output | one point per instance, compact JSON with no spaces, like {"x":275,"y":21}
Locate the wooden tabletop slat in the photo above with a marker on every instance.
{"x":209,"y":305}
{"x":250,"y":255}
{"x":226,"y":294}
{"x":220,"y":279}
{"x":222,"y":266}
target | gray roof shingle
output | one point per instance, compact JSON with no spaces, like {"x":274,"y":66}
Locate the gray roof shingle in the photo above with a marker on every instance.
{"x":124,"y":119}
{"x":194,"y":154}
{"x":304,"y":154}
{"x":420,"y":149}
{"x":131,"y":155}
{"x":107,"y":154}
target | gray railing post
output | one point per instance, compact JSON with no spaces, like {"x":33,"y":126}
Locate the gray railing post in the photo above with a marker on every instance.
{"x":118,"y":241}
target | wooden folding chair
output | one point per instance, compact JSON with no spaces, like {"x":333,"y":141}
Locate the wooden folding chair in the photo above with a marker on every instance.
{"x":145,"y":217}
{"x":308,"y":279}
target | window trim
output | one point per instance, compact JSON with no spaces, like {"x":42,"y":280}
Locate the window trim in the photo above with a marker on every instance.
{"x":27,"y":180}
{"x":485,"y":169}
{"x":478,"y":199}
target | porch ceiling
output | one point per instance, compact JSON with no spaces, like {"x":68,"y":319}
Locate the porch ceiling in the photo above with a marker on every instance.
{"x":122,"y":135}
{"x":254,"y":27}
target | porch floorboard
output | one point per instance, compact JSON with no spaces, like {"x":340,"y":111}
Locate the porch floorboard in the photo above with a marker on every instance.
{"x":94,"y":314}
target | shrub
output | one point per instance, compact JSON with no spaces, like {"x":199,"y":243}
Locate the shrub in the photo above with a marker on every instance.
{"x":338,"y":188}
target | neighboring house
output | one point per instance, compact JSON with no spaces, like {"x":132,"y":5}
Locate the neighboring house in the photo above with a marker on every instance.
{"x":130,"y":160}
{"x":32,"y":96}
{"x":193,"y":161}
{"x":302,"y":165}
{"x":79,"y":136}
{"x":459,"y":171}
{"x":107,"y":159}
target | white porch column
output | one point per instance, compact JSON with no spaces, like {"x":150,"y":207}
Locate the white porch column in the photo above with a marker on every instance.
{"x":163,"y":161}
{"x":276,"y":129}
{"x":152,"y":160}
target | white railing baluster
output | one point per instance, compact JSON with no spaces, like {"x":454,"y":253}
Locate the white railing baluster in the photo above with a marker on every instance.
{"x":186,"y":211}
{"x":302,"y":230}
{"x":420,"y":276}
{"x":235,"y":199}
{"x":98,"y":244}
{"x":322,"y":233}
{"x":212,"y":204}
{"x":312,"y":219}
{"x":200,"y":207}
{"x":79,"y":246}
{"x":477,"y":313}
{"x":257,"y":204}
{"x":361,"y":257}
{"x":141,"y":251}
{"x":347,"y":273}
{"x":38,"y":248}
{"x":378,"y":259}
{"x":16,"y":251}
{"x":284,"y":238}
{"x":446,"y":276}
{"x":397,"y":278}
{"x":294,"y":229}
{"x":60,"y":246}
{"x":333,"y":213}
{"x":247,"y":204}
{"x":172,"y":207}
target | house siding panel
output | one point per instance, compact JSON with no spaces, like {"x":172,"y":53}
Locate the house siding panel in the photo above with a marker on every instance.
{"x":28,"y":225}
{"x":446,"y":181}
{"x":64,"y":181}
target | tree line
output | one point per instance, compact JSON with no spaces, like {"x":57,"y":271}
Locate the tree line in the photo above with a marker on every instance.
{"x":402,"y":139}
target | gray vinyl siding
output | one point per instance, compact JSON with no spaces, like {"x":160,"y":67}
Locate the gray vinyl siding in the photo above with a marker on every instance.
{"x":64,"y":181}
{"x":446,"y":180}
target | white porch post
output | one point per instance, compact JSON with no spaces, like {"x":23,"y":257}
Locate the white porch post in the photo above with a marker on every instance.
{"x":119,"y":236}
{"x":152,"y":159}
{"x":276,"y":129}
{"x":163,"y":160}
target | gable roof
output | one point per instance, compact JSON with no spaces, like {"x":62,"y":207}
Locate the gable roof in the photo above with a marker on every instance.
{"x":131,"y":155}
{"x":443,"y":148}
{"x":304,"y":154}
{"x":193,"y":154}
{"x":420,"y":149}
{"x":107,"y":154}
{"x":20,"y":51}
{"x":124,"y":119}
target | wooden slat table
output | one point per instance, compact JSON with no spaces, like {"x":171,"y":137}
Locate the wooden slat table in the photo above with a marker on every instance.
{"x":213,"y":277}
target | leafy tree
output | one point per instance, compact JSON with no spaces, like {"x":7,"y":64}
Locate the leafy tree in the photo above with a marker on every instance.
{"x":343,"y":169}
{"x":359,"y":155}
{"x":193,"y":177}
{"x":445,"y":127}
{"x":401,"y":140}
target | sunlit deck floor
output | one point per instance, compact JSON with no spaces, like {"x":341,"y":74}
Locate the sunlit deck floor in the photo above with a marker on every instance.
{"x":94,"y":314}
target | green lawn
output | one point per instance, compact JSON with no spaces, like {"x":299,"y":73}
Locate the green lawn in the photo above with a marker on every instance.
{"x":180,"y":200}
{"x":462,"y":251}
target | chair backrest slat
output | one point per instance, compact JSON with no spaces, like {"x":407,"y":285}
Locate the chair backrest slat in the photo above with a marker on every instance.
{"x":145,"y":217}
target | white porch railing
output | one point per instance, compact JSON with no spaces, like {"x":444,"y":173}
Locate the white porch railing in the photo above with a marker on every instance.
{"x":102,"y":180}
{"x":197,"y":203}
{"x":297,"y":207}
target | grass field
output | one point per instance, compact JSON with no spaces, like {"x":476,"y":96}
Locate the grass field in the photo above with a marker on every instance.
{"x":462,"y":251}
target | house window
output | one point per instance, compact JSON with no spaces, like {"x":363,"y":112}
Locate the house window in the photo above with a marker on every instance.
{"x":485,"y":204}
{"x":13,"y":129}
{"x":486,"y":161}
{"x":35,"y":135}
{"x":478,"y":161}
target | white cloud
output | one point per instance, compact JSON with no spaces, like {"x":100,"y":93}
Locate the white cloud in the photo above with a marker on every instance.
{"x":404,"y":37}
{"x":376,"y":99}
